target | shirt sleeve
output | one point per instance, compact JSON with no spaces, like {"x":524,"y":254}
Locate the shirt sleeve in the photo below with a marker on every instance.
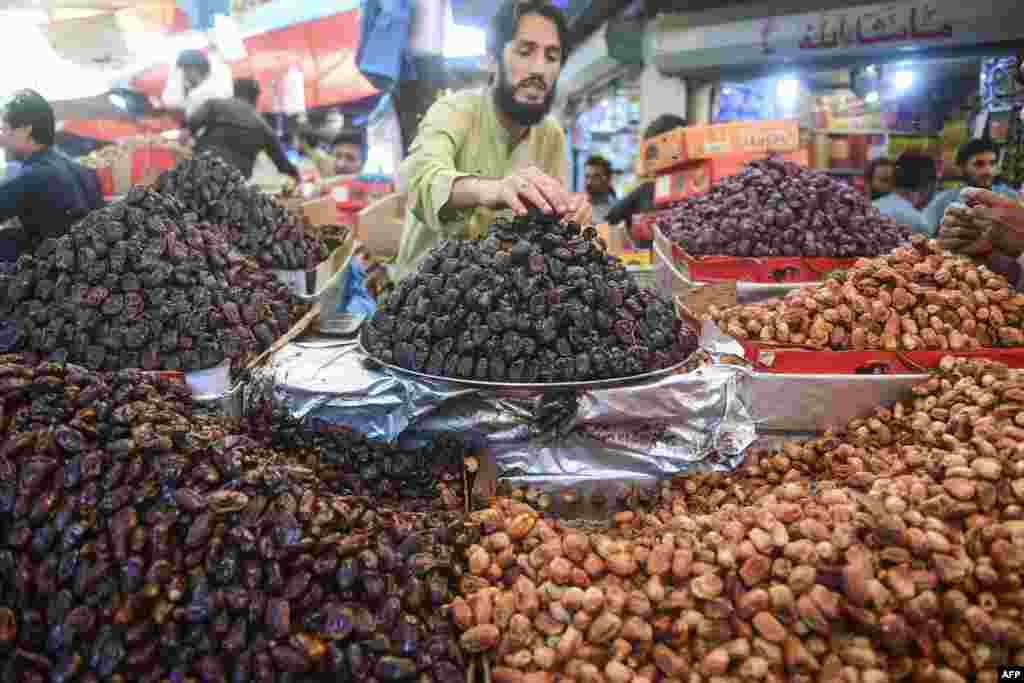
{"x":1008,"y":267}
{"x":200,"y":117}
{"x":277,"y":155}
{"x":14,"y":193}
{"x":429,"y":170}
{"x":559,"y":161}
{"x":937,"y":208}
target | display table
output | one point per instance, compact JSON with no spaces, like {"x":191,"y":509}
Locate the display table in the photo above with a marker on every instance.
{"x":639,"y":432}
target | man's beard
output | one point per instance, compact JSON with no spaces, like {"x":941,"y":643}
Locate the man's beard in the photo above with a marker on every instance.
{"x":521,"y":113}
{"x":973,"y":181}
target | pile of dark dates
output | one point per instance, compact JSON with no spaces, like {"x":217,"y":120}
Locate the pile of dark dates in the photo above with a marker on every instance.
{"x":143,"y":283}
{"x":538,"y":300}
{"x":251,"y":221}
{"x":142,"y":540}
{"x":778,"y":208}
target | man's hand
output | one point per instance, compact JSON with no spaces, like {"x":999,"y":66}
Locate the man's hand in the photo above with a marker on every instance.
{"x":583,"y":212}
{"x":531,"y":186}
{"x":992,"y":222}
{"x":962,"y":232}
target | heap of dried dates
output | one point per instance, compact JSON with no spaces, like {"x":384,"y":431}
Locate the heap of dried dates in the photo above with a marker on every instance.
{"x":429,"y":477}
{"x":142,"y":541}
{"x":916,"y":298}
{"x":778,"y":208}
{"x":893,"y":551}
{"x":250,"y":220}
{"x":143,"y":284}
{"x":537,"y":301}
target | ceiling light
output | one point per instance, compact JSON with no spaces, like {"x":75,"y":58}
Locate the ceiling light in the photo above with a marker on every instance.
{"x":787,"y":89}
{"x":903,"y":80}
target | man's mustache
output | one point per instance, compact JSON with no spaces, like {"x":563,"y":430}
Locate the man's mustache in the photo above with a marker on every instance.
{"x":532,"y":83}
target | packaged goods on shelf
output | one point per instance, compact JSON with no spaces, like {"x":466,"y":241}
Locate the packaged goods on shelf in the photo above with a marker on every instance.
{"x":694,"y":143}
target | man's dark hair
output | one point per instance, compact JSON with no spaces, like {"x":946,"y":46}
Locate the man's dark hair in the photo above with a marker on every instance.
{"x":914,"y":172}
{"x":664,"y":124}
{"x":29,"y":108}
{"x":600,"y":162}
{"x":973,"y":148}
{"x":194,"y":58}
{"x":874,"y":164}
{"x":353,"y":137}
{"x":505,"y":24}
{"x":247,"y":89}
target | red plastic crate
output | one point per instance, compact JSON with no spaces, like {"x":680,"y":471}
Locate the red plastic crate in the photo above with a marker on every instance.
{"x":105,"y":175}
{"x":802,"y":361}
{"x":149,"y":162}
{"x":764,"y":270}
{"x":642,"y":228}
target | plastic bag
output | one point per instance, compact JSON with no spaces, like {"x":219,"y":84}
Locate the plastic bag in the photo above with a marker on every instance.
{"x":356,"y":299}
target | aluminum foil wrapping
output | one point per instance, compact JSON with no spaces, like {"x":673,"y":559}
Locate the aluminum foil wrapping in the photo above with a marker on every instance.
{"x":636,"y":433}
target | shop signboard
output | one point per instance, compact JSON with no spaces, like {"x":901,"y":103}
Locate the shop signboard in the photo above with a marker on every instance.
{"x":682,"y":44}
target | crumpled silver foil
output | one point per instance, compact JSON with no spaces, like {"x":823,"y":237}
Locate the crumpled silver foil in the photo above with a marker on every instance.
{"x":638,"y":432}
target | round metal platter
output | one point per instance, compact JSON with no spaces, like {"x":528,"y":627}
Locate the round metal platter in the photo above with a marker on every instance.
{"x":531,"y":386}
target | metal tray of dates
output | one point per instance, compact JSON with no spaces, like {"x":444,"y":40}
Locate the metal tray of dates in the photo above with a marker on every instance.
{"x":531,"y":386}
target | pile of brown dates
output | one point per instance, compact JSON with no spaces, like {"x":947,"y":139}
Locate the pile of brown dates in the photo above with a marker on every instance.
{"x":141,"y":540}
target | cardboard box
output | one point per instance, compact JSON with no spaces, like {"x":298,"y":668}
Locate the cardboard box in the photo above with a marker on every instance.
{"x":320,"y":211}
{"x":379,"y":226}
{"x":694,"y":143}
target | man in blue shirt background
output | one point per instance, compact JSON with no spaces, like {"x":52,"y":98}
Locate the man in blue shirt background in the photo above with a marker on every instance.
{"x":979,"y":161}
{"x":51,"y":191}
{"x":914,"y":183}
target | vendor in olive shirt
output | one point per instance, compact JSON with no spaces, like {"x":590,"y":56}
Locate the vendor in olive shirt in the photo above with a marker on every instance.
{"x":495,"y":149}
{"x":233,"y":130}
{"x":51,"y":191}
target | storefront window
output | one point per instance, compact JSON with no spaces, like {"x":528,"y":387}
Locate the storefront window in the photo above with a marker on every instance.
{"x":608,"y":127}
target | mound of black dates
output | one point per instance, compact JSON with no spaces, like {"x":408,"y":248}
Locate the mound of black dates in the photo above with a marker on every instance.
{"x":536,"y":301}
{"x":778,"y":208}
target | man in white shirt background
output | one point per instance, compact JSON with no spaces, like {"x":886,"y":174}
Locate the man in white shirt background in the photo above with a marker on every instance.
{"x":979,"y":161}
{"x":914,"y":183}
